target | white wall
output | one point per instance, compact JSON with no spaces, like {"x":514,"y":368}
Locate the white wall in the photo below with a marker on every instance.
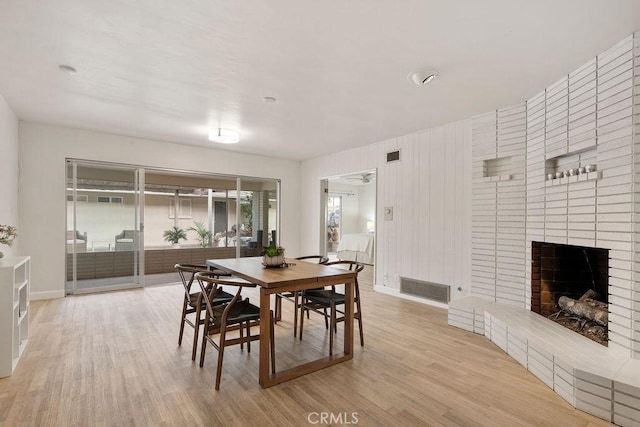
{"x":350,"y":209}
{"x":102,"y":221}
{"x":43,"y":150}
{"x":9,"y":173}
{"x":366,"y":206}
{"x":430,"y":191}
{"x":358,"y":206}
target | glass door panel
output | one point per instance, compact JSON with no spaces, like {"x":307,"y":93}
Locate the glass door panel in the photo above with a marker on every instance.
{"x":257,"y":215}
{"x":103,"y":227}
{"x":334,"y":206}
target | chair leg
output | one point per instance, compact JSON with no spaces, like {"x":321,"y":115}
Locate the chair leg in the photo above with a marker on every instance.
{"x":184,"y":313}
{"x":296,"y":296}
{"x":248,"y":337}
{"x":326,"y":321}
{"x":196,"y":330}
{"x":203,"y":347}
{"x":223,"y":331}
{"x":273,"y":342}
{"x":332,"y":328}
{"x":241,"y":336}
{"x":278,"y":305}
{"x":302,"y":316}
{"x":359,"y":316}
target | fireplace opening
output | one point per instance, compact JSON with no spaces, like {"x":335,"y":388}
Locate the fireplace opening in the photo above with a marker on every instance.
{"x":570,"y":285}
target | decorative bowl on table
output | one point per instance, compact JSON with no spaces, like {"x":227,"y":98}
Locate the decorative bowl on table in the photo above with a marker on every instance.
{"x":273,"y":261}
{"x":273,"y":256}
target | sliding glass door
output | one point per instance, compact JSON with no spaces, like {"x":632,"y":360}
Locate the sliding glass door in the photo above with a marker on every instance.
{"x":104,"y":227}
{"x":190,"y":218}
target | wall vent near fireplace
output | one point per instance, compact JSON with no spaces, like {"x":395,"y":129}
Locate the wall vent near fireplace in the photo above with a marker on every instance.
{"x":422,"y":289}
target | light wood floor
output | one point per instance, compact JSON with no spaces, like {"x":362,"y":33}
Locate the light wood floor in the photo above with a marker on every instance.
{"x":113,"y":359}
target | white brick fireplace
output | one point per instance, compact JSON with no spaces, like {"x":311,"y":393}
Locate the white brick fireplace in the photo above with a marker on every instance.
{"x":589,"y":117}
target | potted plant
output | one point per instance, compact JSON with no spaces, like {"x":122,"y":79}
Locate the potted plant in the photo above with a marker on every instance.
{"x":7,"y":234}
{"x":273,"y":256}
{"x":174,"y":235}
{"x":204,"y":235}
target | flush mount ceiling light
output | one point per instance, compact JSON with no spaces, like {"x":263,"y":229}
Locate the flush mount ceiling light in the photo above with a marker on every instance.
{"x":224,"y":136}
{"x":68,"y":69}
{"x":423,"y":76}
{"x":268,"y":99}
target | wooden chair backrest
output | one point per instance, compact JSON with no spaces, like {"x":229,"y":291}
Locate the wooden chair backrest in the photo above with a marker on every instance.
{"x":320,"y":258}
{"x":210,"y":282}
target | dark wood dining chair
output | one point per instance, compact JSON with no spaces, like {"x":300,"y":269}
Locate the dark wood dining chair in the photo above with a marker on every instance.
{"x":294,"y":296}
{"x":319,"y":300}
{"x":193,"y":303}
{"x":238,"y":314}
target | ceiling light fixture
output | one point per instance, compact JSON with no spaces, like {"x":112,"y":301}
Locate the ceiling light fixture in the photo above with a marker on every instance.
{"x":67,"y":69}
{"x":224,"y":136}
{"x":423,"y":76}
{"x":268,"y":99}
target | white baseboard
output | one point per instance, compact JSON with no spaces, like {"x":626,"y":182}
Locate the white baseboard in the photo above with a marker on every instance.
{"x":35,"y":296}
{"x":396,"y":293}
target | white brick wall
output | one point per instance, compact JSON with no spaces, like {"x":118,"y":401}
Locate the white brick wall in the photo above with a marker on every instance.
{"x":589,"y":116}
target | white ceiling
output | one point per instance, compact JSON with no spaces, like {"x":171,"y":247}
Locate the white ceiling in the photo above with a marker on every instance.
{"x":169,"y":70}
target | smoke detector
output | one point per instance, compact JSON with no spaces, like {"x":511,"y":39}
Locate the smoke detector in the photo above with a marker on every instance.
{"x":423,"y":76}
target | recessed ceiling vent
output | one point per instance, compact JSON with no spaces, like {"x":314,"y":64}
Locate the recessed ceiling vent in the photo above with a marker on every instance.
{"x":393,"y":156}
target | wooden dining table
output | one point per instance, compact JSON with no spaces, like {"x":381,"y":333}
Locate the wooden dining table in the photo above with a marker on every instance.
{"x":297,"y":276}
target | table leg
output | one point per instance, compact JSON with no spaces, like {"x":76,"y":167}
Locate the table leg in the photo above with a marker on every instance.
{"x":265,"y":336}
{"x":349,"y":320}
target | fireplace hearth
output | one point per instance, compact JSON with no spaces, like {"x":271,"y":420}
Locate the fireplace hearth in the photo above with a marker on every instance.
{"x":569,"y":285}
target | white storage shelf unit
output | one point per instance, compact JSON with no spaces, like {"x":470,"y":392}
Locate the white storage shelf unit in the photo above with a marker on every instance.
{"x":14,"y":311}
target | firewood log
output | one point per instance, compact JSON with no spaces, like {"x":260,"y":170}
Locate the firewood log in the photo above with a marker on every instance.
{"x":590,"y":294}
{"x":596,"y":311}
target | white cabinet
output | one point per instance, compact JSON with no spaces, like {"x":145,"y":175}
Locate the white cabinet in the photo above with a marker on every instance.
{"x":14,"y":311}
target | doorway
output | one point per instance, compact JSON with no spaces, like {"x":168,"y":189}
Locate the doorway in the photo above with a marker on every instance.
{"x":349,"y":217}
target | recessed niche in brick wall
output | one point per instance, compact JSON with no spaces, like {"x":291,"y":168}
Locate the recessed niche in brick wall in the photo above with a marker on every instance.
{"x":572,"y":167}
{"x":497,"y":169}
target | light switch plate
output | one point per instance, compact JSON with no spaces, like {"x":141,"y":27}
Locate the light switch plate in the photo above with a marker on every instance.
{"x":388,"y":213}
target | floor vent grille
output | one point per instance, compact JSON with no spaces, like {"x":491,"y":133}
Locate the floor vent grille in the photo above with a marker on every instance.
{"x":422,"y":289}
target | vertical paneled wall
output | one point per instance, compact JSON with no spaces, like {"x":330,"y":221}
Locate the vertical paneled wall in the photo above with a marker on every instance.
{"x":429,"y":190}
{"x":586,"y":118}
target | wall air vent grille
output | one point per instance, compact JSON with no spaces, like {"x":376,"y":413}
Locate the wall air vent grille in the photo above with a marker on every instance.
{"x":428,"y":290}
{"x":393,"y":156}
